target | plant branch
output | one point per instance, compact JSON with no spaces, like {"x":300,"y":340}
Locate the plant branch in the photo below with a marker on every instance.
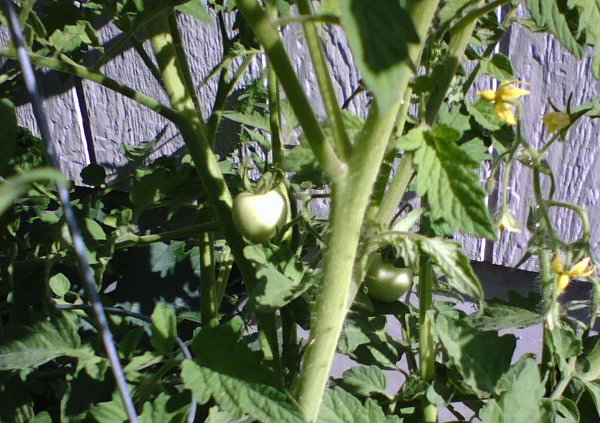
{"x":461,"y":35}
{"x":77,"y":241}
{"x":322,"y":73}
{"x":193,"y":131}
{"x":267,"y":34}
{"x":350,"y":198}
{"x":128,"y":240}
{"x":105,"y":81}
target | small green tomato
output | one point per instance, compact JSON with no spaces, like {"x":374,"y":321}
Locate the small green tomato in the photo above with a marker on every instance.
{"x":258,"y":216}
{"x":385,"y":281}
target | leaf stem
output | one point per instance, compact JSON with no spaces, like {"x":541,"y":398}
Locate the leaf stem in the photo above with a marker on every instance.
{"x":350,"y":197}
{"x":105,"y":81}
{"x":193,"y":131}
{"x":274,"y":100}
{"x":426,"y":338}
{"x":129,"y":240}
{"x":313,"y":41}
{"x":210,"y":304}
{"x":267,"y":34}
{"x":461,"y":35}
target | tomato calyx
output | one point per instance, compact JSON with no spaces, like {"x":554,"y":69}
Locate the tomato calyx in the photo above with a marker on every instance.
{"x":269,"y":181}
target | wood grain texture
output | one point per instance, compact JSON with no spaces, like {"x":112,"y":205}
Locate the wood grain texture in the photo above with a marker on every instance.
{"x":64,"y":119}
{"x":115,"y":121}
{"x":553,"y":73}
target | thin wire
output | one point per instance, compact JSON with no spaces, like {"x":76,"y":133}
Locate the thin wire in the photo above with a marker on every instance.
{"x":78,"y":244}
{"x":116,"y":310}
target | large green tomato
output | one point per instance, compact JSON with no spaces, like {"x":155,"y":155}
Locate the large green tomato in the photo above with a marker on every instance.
{"x":258,"y":216}
{"x":385,"y":281}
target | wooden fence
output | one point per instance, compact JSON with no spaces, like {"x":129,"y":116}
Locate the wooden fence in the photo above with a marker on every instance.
{"x":91,"y":123}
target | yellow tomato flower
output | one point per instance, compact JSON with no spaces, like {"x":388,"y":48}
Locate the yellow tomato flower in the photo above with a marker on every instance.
{"x":507,"y":223}
{"x":582,"y":269}
{"x":503,"y":98}
{"x":555,"y":121}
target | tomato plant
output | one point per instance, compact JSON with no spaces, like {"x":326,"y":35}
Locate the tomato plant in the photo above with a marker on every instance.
{"x":338,"y":172}
{"x":258,"y":217}
{"x":385,"y":281}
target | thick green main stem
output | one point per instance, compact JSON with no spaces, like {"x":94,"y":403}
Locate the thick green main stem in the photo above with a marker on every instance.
{"x":192,"y":130}
{"x":350,"y":197}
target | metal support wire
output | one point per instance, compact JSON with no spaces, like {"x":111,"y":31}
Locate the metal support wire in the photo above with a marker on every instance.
{"x":78,"y":244}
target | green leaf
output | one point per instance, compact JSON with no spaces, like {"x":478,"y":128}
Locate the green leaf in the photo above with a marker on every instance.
{"x":238,"y":396}
{"x":522,"y":402}
{"x":481,"y":357}
{"x":171,"y":408}
{"x":30,"y":346}
{"x":366,"y":339}
{"x":95,"y":230}
{"x":16,"y":186}
{"x":365,"y":381}
{"x":17,"y":406}
{"x":240,"y":361}
{"x":448,"y":256}
{"x":568,"y":409}
{"x":379,"y":33}
{"x":110,"y":412}
{"x":8,"y":133}
{"x":589,"y":15}
{"x":517,"y":312}
{"x":164,"y":327}
{"x":274,"y":290}
{"x":59,"y":284}
{"x":338,"y":406}
{"x":593,"y":389}
{"x":552,"y":15}
{"x":413,"y":139}
{"x":498,"y":66}
{"x":448,"y":176}
{"x":483,"y":113}
{"x":71,"y":37}
{"x":253,"y":119}
{"x":280,"y":276}
{"x":197,"y":10}
{"x":476,"y":150}
{"x":164,"y":257}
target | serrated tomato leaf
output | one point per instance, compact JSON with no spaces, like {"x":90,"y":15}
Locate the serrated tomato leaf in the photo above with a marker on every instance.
{"x":447,"y":176}
{"x":379,"y":33}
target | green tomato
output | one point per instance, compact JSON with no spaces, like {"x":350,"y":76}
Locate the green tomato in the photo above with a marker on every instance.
{"x":385,"y":281}
{"x":258,"y":216}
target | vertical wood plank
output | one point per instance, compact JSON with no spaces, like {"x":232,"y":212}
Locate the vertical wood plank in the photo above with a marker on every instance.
{"x":62,"y":109}
{"x":553,"y":73}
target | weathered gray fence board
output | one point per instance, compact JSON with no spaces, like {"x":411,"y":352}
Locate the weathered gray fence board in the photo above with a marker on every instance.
{"x":553,"y":73}
{"x":538,"y":59}
{"x":62,"y":107}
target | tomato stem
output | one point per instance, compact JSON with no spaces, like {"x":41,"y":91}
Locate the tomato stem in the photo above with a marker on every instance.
{"x":192,"y":129}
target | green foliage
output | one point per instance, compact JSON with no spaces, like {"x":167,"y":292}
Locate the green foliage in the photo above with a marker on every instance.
{"x":207,"y":325}
{"x":572,"y":22}
{"x":522,"y":398}
{"x":237,"y":381}
{"x":339,"y":406}
{"x":379,"y":33}
{"x":447,"y":176}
